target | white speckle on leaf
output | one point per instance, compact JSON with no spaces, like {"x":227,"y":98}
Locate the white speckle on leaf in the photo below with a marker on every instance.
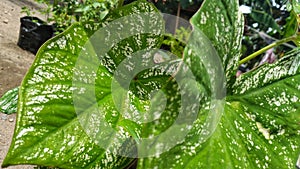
{"x":24,"y":131}
{"x":46,"y":150}
{"x":264,"y":131}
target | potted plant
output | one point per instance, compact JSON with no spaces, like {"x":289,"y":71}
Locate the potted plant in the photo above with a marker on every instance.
{"x":60,"y":14}
{"x":33,"y":33}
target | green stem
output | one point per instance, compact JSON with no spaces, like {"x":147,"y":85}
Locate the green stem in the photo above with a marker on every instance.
{"x":261,"y":51}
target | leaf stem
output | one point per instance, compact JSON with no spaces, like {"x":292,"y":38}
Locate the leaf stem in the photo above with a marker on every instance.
{"x":257,"y":53}
{"x":177,"y":18}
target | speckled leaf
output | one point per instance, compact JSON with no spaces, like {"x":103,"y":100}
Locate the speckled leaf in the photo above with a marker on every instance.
{"x":268,"y":74}
{"x":259,"y":129}
{"x":222,"y":23}
{"x":9,"y":101}
{"x":48,"y":131}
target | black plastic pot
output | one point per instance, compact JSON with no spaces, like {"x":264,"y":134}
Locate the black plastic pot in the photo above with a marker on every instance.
{"x":33,"y":33}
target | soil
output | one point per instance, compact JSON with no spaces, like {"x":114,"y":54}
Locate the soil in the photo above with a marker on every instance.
{"x":14,"y":63}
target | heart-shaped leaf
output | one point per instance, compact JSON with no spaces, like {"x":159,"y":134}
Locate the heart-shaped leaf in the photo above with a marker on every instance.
{"x":259,"y":129}
{"x":48,"y":131}
{"x":260,"y":125}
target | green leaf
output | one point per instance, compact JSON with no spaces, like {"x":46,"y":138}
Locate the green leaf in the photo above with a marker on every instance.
{"x":296,"y":13}
{"x":297,"y":39}
{"x":265,"y":19}
{"x":9,"y":101}
{"x":291,"y":26}
{"x":222,"y":23}
{"x":260,"y":124}
{"x":48,"y":131}
{"x":259,"y":128}
{"x":287,"y":66}
{"x":296,"y":6}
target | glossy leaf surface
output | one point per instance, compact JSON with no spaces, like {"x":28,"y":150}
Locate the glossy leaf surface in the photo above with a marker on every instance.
{"x":222,"y":23}
{"x":48,"y":131}
{"x":259,"y":128}
{"x":260,"y":125}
